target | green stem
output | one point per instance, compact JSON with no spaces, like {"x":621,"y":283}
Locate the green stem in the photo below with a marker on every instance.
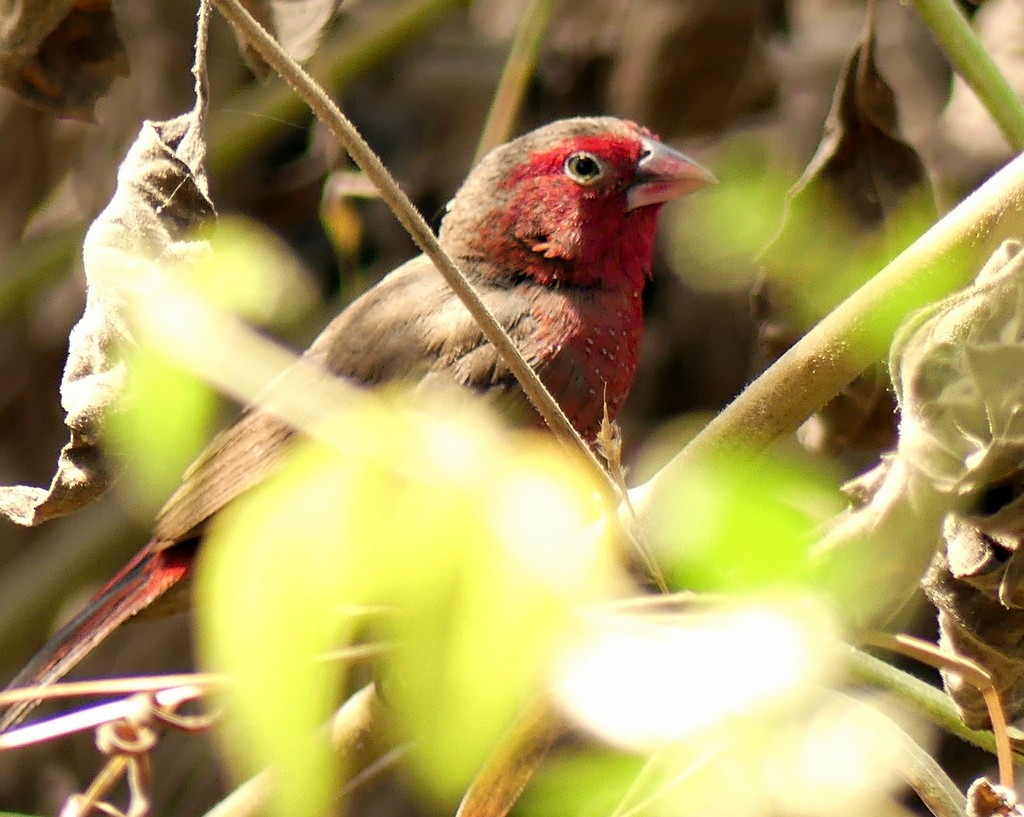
{"x":918,"y":769}
{"x":970,"y":60}
{"x":855,"y":334}
{"x":922,"y":698}
{"x":522,"y":57}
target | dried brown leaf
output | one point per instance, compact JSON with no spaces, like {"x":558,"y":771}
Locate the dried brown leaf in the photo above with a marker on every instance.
{"x":863,"y":158}
{"x":498,"y":786}
{"x":161,"y":197}
{"x":955,"y":471}
{"x":60,"y":55}
{"x":854,"y":192}
{"x":962,"y":421}
{"x":964,"y":583}
{"x":986,"y":799}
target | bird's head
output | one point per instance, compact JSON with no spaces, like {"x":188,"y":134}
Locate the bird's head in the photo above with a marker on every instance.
{"x":573,"y":203}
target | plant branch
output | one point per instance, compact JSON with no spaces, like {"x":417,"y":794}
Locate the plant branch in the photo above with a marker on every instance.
{"x":857,"y":333}
{"x":922,"y":698}
{"x":345,"y":132}
{"x":918,"y":769}
{"x":971,"y":673}
{"x":964,"y":50}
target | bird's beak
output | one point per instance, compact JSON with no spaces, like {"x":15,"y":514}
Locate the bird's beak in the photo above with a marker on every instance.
{"x":663,"y":174}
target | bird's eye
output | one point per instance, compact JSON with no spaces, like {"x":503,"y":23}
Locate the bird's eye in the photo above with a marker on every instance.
{"x":584,"y":168}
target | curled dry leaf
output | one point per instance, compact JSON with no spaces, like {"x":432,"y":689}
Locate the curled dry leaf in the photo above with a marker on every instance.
{"x":161,"y":197}
{"x":861,"y":180}
{"x":60,"y":55}
{"x":957,"y":365}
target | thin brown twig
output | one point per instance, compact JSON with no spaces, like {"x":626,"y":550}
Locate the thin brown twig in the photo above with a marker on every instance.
{"x":258,"y":112}
{"x":128,"y":743}
{"x":113,"y":770}
{"x":972,"y":673}
{"x":112,"y":686}
{"x":166,"y":700}
{"x":345,"y":132}
{"x":522,"y":57}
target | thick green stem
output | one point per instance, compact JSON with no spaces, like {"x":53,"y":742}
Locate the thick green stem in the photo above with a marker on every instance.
{"x":857,"y":333}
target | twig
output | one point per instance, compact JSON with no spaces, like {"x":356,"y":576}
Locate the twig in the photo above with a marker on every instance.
{"x":355,"y":730}
{"x":972,"y":673}
{"x":970,"y":60}
{"x":920,"y":697}
{"x":112,"y":686}
{"x":499,"y":784}
{"x":522,"y":57}
{"x":343,"y":130}
{"x":93,"y":716}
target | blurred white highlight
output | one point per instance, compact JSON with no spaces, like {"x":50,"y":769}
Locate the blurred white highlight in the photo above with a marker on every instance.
{"x":638,"y":683}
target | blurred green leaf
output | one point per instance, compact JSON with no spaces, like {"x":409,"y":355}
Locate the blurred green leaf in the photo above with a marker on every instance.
{"x":167,"y":413}
{"x":645,"y":681}
{"x":251,"y":273}
{"x":733,"y":527}
{"x":166,"y":419}
{"x":729,"y":223}
{"x":582,"y":784}
{"x":479,"y":545}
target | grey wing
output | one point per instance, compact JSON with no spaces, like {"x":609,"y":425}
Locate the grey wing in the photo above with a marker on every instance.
{"x":412,"y":327}
{"x":409,"y":327}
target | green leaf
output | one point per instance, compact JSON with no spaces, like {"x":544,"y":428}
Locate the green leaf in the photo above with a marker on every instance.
{"x":166,"y":419}
{"x":477,"y":543}
{"x":733,"y":527}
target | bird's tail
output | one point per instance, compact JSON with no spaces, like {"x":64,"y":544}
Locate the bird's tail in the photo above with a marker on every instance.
{"x":143,"y":580}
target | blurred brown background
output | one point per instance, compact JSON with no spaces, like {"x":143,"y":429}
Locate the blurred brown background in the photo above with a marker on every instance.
{"x":417,"y":77}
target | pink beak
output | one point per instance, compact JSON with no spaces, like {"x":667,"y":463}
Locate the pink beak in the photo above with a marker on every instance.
{"x":663,"y":174}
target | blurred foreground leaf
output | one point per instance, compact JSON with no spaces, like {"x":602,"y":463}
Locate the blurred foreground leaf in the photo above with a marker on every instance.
{"x":478,"y":543}
{"x":168,"y":418}
{"x":732,"y":527}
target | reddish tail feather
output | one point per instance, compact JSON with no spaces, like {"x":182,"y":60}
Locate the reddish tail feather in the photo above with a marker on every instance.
{"x":143,"y":580}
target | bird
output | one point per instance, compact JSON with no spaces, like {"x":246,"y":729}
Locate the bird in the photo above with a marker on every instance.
{"x":556,"y":231}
